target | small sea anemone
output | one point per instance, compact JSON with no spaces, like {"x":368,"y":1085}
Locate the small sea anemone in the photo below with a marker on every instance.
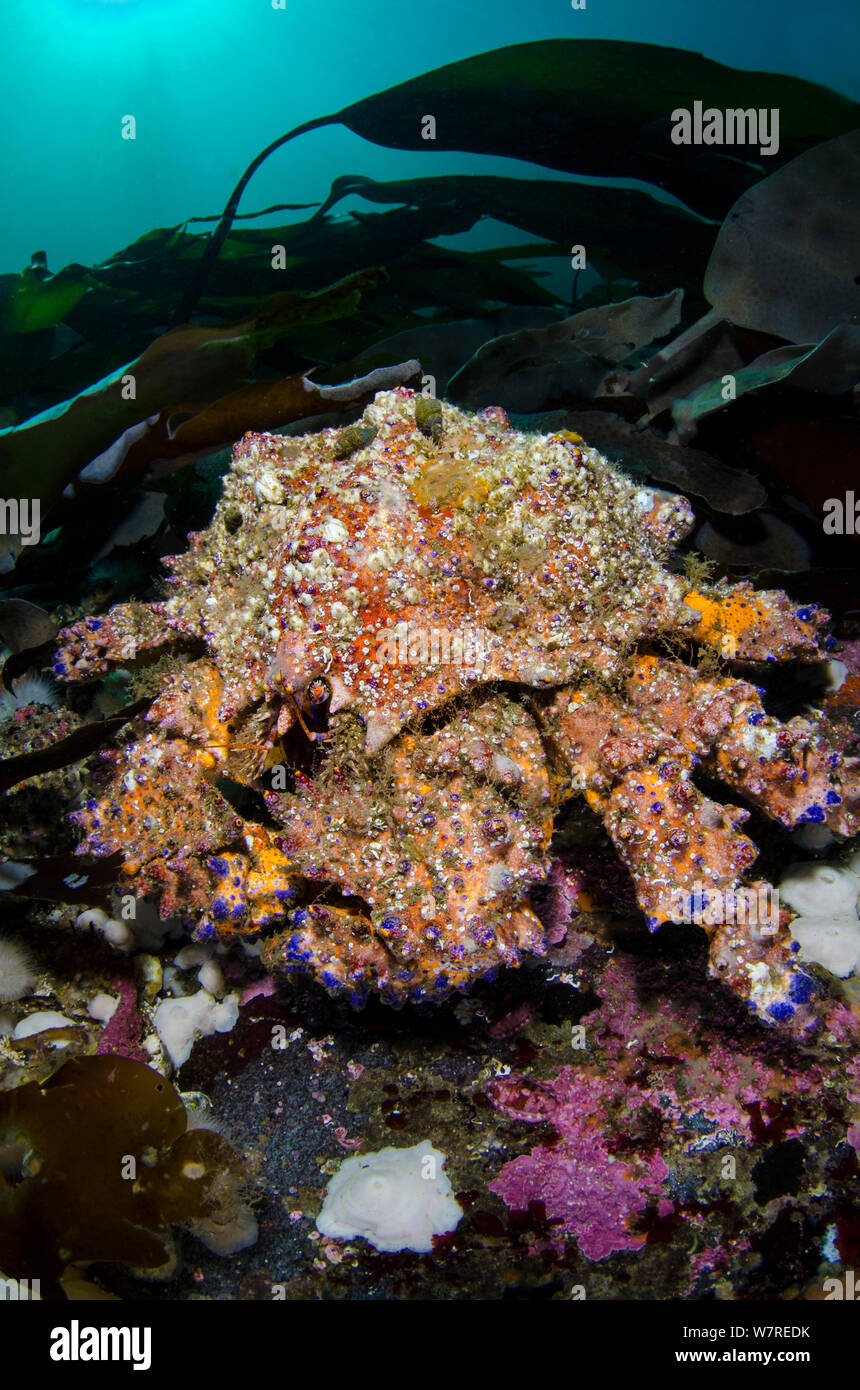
{"x":235,"y":1232}
{"x":27,"y":690}
{"x":199,"y":1117}
{"x":17,"y":972}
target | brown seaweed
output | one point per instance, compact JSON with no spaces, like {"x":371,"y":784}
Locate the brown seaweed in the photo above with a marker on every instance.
{"x":524,"y":101}
{"x":108,"y":1166}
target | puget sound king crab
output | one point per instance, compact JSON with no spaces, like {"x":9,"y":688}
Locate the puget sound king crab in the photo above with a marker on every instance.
{"x":414,"y":640}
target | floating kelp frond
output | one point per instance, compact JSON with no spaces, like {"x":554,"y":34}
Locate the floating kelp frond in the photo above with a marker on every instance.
{"x":259,"y":405}
{"x":773,"y":545}
{"x":24,"y":624}
{"x":30,"y":301}
{"x":193,"y":363}
{"x":784,"y":261}
{"x":70,"y":749}
{"x":529,"y":101}
{"x":831,"y":367}
{"x":529,"y":370}
{"x":624,"y":228}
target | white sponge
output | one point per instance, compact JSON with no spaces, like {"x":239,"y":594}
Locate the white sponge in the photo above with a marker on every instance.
{"x":817,"y":889}
{"x":833,"y":942}
{"x":397,"y":1199}
{"x":117,"y":933}
{"x":102,"y":1007}
{"x":827,"y":928}
{"x":179,"y":1021}
{"x":42,"y":1022}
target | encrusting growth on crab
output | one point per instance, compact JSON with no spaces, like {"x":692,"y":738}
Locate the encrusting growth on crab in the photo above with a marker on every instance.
{"x":444,"y":632}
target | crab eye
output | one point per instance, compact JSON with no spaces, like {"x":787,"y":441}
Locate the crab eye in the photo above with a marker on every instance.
{"x":319,"y":691}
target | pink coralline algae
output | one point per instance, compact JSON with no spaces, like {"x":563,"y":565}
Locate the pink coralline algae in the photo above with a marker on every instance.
{"x":853,"y":1075}
{"x":710,"y":1261}
{"x":122,"y":1033}
{"x":654,"y":1082}
{"x":713,"y":1078}
{"x":258,"y":989}
{"x":593,"y":1195}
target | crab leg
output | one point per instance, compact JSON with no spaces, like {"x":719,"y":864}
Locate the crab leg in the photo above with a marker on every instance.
{"x":94,"y":646}
{"x":749,"y":624}
{"x":635,"y":765}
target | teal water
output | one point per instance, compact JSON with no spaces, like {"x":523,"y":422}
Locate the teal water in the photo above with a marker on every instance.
{"x":209,"y":84}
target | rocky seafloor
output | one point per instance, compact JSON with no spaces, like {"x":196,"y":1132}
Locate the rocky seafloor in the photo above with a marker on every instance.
{"x":615,"y":1125}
